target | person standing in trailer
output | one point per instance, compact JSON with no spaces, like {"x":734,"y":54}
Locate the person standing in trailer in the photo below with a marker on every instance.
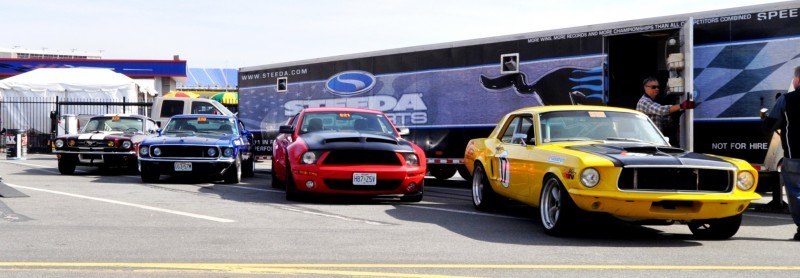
{"x":660,"y":114}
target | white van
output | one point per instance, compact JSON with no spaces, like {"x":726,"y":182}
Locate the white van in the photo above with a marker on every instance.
{"x":165,"y":107}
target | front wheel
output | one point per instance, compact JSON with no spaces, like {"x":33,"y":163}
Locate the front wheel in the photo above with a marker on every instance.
{"x":292,"y":193}
{"x":148,"y":174}
{"x":249,"y":166}
{"x":722,"y":228}
{"x":66,"y":164}
{"x":483,"y":196}
{"x":556,"y":209}
{"x":234,"y":173}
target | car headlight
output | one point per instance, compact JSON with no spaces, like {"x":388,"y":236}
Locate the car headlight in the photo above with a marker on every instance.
{"x":745,"y":180}
{"x":71,"y":143}
{"x":228,"y":152}
{"x":59,"y":143}
{"x":157,"y":151}
{"x":411,"y":159}
{"x":309,"y":158}
{"x":212,"y":151}
{"x":110,"y":143}
{"x":144,"y":151}
{"x":590,"y":177}
{"x":126,"y":145}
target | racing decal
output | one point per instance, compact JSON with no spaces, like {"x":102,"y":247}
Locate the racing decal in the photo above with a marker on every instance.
{"x":556,"y":159}
{"x":505,"y":169}
{"x":350,"y":83}
{"x":566,"y":85}
{"x":569,"y":174}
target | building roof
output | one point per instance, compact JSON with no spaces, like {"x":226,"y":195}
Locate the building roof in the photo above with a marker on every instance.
{"x":210,"y":78}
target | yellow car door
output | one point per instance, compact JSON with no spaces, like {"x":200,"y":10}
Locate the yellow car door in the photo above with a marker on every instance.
{"x":513,"y":165}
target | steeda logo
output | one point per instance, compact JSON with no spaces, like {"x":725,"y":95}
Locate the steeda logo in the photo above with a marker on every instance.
{"x":350,"y":83}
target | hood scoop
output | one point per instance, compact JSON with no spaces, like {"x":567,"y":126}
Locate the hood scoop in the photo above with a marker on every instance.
{"x":341,"y":140}
{"x":359,"y":140}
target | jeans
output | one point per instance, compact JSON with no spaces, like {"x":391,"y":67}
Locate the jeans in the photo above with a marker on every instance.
{"x":790,"y":171}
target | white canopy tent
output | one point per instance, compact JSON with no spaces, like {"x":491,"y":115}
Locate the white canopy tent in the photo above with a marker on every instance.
{"x":68,"y":84}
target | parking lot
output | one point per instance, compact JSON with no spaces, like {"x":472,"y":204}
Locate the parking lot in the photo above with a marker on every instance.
{"x":100,"y":224}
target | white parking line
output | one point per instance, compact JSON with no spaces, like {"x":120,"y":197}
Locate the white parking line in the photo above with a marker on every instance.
{"x":38,"y":167}
{"x":199,"y":216}
{"x":254,"y":188}
{"x":467,"y":212}
{"x":768,"y":217}
{"x":328,"y":215}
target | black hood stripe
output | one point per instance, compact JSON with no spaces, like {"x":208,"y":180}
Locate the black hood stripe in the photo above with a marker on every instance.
{"x":353,"y":140}
{"x":637,"y":154}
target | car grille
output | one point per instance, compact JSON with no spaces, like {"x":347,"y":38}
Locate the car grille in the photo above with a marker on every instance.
{"x":92,"y":143}
{"x":361,"y":157}
{"x":676,"y":179}
{"x":348,"y":185}
{"x":184,"y":151}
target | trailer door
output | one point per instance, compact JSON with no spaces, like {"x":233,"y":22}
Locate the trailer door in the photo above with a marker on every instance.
{"x":687,"y":48}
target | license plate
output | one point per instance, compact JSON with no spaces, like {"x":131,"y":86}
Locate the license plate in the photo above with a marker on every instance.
{"x":183,"y":166}
{"x":365,"y":179}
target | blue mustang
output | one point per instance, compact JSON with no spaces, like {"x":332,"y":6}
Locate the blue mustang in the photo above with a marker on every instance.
{"x":214,"y":145}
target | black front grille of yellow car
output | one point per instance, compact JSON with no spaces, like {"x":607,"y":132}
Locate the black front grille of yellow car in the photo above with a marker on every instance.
{"x":184,"y":151}
{"x":348,"y":185}
{"x":361,"y":157}
{"x":676,"y":179}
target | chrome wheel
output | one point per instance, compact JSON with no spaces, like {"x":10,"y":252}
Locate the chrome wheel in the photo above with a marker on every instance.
{"x":477,"y":186}
{"x":550,"y":205}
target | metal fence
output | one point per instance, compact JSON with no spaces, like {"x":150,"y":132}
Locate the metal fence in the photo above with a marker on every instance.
{"x":40,"y":116}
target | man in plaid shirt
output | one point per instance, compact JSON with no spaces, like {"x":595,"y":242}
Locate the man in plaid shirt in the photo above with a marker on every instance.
{"x":657,"y":112}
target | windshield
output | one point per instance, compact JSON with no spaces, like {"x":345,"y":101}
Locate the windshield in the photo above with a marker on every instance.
{"x":598,"y":125}
{"x":201,"y":125}
{"x":338,"y":121}
{"x":114,"y":123}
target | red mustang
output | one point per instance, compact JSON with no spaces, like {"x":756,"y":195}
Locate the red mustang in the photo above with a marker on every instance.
{"x":346,"y":151}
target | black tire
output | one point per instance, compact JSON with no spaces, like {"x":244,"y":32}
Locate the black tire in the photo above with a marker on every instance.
{"x":464,"y":173}
{"x":443,"y":172}
{"x":483,"y":196}
{"x":275,"y":182}
{"x":249,"y":166}
{"x":133,"y":166}
{"x":556,"y":208}
{"x":234,"y":173}
{"x":415,"y":197}
{"x":67,"y":163}
{"x":716,"y":229}
{"x":149,"y":174}
{"x":292,"y":194}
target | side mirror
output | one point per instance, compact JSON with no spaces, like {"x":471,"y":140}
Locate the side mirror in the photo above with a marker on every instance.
{"x":403,"y":131}
{"x":286,"y":129}
{"x":763,"y":113}
{"x":159,"y":131}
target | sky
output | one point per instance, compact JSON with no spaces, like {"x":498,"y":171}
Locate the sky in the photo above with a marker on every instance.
{"x":235,"y":34}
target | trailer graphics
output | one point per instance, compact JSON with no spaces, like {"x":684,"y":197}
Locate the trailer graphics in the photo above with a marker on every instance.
{"x":736,"y":59}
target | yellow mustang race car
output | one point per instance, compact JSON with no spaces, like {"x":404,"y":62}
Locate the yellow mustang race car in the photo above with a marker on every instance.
{"x":568,"y":159}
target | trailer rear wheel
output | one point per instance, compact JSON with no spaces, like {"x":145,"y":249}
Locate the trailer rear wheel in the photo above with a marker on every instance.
{"x":464,"y":173}
{"x":442,"y":172}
